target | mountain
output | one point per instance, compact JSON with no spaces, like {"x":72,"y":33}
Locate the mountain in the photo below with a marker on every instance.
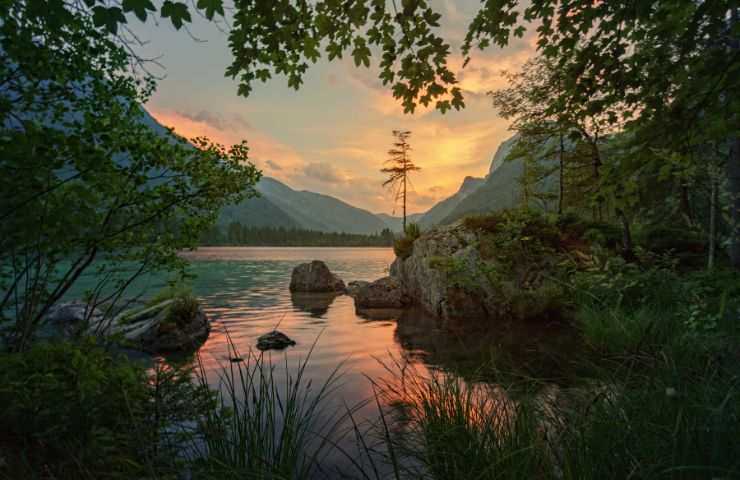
{"x":395,"y":224}
{"x":280,"y":206}
{"x":442,"y":209}
{"x":501,"y":188}
{"x":498,"y":190}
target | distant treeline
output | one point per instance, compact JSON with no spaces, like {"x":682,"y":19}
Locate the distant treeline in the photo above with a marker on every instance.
{"x":237,"y":234}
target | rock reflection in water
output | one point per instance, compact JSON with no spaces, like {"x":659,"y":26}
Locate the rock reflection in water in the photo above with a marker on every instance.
{"x":483,"y":348}
{"x":315,"y":304}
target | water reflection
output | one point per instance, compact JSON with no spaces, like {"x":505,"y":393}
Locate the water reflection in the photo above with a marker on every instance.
{"x":245,"y":293}
{"x":315,"y":304}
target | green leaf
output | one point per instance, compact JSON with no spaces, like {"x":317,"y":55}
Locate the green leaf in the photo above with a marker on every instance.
{"x":211,"y":7}
{"x":177,"y":12}
{"x":139,"y":7}
{"x":108,"y":18}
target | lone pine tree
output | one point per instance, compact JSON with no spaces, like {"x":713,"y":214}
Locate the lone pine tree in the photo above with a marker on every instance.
{"x":399,"y":165}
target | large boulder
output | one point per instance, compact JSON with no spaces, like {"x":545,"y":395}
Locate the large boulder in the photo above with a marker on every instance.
{"x":383,"y":293}
{"x":315,"y":277}
{"x":178,"y":324}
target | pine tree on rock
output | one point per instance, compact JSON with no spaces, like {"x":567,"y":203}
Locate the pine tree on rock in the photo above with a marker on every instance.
{"x":399,"y":165}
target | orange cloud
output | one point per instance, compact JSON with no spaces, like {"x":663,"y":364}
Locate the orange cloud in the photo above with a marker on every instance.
{"x":266,"y":152}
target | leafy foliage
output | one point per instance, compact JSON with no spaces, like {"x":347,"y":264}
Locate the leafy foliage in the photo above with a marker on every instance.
{"x":89,"y":181}
{"x":76,"y":411}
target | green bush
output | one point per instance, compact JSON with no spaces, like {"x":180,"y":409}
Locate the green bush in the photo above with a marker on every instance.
{"x":73,"y":410}
{"x":682,"y":243}
{"x":183,"y":310}
{"x":403,"y":247}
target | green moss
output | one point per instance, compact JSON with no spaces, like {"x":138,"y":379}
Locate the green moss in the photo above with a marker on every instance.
{"x":170,"y":292}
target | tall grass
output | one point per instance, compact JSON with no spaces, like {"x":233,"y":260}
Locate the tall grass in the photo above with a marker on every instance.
{"x":265,"y":425}
{"x":629,"y":423}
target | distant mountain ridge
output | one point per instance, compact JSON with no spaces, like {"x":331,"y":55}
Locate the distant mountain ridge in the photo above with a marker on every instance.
{"x":280,"y":206}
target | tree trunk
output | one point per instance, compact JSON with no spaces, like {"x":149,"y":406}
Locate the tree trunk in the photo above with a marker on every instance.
{"x":733,"y":186}
{"x":733,"y":166}
{"x":562,"y":175}
{"x":712,"y":222}
{"x":627,"y":246}
{"x":686,"y":204}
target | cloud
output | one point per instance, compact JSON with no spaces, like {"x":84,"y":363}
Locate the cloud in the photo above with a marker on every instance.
{"x":273,"y":165}
{"x":323,"y":172}
{"x":219,"y":121}
{"x":262,"y":147}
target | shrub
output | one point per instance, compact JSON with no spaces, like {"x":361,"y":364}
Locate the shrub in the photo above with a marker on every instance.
{"x":403,"y":247}
{"x":682,"y":243}
{"x":183,"y":310}
{"x":73,"y":409}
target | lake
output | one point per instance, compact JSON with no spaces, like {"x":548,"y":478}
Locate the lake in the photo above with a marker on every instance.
{"x":244,"y":291}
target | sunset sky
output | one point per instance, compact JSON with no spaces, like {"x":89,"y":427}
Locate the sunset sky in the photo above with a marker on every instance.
{"x":332,"y":135}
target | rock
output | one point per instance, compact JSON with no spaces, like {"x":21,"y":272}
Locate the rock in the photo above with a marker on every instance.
{"x":380,"y":314}
{"x":151,"y":329}
{"x":431,"y":287}
{"x":354,"y":286}
{"x":315,"y":277}
{"x":144,"y":327}
{"x":138,"y":325}
{"x":173,"y":337}
{"x":383,"y":293}
{"x":67,"y":320}
{"x":274,"y":341}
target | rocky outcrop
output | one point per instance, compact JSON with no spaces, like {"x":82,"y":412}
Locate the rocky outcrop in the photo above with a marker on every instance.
{"x":383,"y":293}
{"x":438,"y":291}
{"x":502,"y":265}
{"x":315,"y":277}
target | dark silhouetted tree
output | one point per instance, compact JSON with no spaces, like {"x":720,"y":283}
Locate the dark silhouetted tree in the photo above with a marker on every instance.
{"x":399,"y":165}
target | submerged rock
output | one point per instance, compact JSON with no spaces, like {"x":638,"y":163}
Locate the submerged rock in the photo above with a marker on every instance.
{"x":274,"y":341}
{"x":386,"y":292}
{"x":315,"y":277}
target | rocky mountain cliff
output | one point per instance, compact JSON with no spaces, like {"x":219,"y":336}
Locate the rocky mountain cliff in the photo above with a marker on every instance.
{"x":441,"y":210}
{"x":500,"y":189}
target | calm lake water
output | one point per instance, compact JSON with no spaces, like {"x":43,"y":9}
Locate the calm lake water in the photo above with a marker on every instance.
{"x":245,"y":293}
